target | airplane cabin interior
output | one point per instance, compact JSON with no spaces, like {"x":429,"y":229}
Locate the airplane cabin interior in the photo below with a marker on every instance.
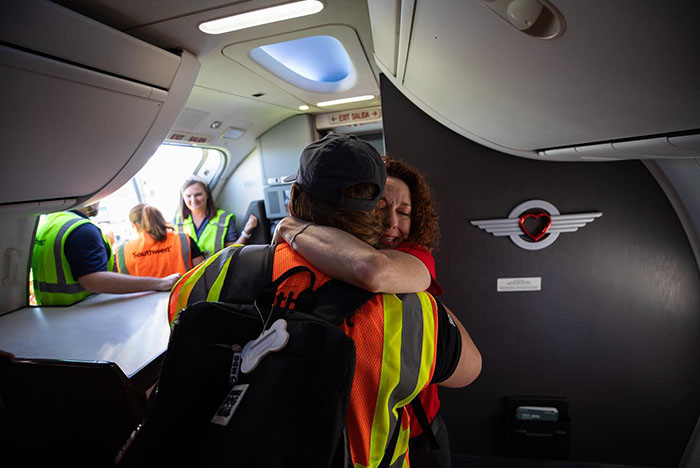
{"x":586,"y":111}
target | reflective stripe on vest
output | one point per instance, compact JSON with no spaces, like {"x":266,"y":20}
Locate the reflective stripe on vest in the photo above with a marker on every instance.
{"x":185,"y":250}
{"x":213,"y":236}
{"x":121,"y":261}
{"x":202,"y":283}
{"x":54,"y":283}
{"x":145,"y":256}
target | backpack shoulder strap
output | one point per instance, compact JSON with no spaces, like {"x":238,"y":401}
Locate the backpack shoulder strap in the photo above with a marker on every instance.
{"x":422,"y":417}
{"x":249,"y":276}
{"x":256,"y":262}
{"x":337,"y":300}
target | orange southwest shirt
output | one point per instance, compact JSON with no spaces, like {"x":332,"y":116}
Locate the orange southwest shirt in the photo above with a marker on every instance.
{"x":145,"y":256}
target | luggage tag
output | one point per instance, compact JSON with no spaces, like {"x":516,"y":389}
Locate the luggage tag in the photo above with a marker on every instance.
{"x":235,"y":395}
{"x":228,"y":407}
{"x":235,"y":365}
{"x":272,"y":339}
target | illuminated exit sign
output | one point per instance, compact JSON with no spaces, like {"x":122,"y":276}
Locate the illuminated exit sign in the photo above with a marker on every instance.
{"x":350,"y":117}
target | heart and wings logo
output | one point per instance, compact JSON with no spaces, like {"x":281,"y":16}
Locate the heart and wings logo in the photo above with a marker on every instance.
{"x":535,"y":224}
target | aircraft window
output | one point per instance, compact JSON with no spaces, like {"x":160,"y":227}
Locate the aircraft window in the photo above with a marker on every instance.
{"x":211,"y":166}
{"x":157,"y":183}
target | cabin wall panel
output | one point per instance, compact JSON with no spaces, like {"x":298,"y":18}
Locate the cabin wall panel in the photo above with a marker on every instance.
{"x":616,"y":326}
{"x":281,"y":146}
{"x":16,"y":237}
{"x":244,"y":186}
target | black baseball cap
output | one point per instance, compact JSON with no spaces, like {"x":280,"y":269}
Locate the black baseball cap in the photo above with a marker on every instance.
{"x":332,"y":164}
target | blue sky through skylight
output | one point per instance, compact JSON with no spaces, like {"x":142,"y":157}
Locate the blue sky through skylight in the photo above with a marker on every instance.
{"x":318,"y":58}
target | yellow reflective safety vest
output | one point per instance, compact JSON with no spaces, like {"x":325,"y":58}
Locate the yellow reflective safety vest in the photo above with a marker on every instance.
{"x":395,"y":340}
{"x":213,"y":236}
{"x":54,"y":284}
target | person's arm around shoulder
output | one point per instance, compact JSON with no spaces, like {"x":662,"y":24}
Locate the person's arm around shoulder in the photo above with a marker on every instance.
{"x":345,"y":257}
{"x":469,"y":364}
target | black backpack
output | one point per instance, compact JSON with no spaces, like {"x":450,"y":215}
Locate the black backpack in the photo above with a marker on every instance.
{"x":210,"y":409}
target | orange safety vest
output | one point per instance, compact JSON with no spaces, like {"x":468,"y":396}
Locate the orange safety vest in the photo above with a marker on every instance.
{"x":381,"y":387}
{"x":395,"y":342}
{"x":147,"y":257}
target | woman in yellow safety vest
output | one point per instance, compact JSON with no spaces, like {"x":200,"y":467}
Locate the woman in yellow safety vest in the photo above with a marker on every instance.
{"x":212,"y":229}
{"x":158,"y":251}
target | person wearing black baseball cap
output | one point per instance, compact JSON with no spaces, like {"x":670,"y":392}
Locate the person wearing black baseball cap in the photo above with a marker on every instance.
{"x":411,"y":228}
{"x":339,"y":183}
{"x":397,"y":345}
{"x":332,"y":165}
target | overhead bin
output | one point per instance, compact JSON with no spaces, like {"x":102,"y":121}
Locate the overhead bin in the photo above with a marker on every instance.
{"x":522,"y":93}
{"x":683,"y":146}
{"x":84,"y":105}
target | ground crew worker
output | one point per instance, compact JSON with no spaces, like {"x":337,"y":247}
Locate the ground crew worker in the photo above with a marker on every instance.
{"x":158,"y":251}
{"x":402,"y":342}
{"x":198,"y":217}
{"x":72,"y":259}
{"x":404,"y":262}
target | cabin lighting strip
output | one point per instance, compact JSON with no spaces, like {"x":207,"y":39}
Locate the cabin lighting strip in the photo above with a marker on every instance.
{"x":264,"y":16}
{"x":345,"y":100}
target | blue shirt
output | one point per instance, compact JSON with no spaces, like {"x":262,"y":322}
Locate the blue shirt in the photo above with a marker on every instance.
{"x":85,"y":249}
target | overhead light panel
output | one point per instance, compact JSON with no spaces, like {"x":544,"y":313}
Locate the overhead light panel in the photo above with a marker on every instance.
{"x":336,"y":102}
{"x":264,"y":16}
{"x":233,"y":133}
{"x":303,"y":107}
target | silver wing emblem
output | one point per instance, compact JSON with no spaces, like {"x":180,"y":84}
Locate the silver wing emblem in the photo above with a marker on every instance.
{"x":571,"y":223}
{"x":510,"y":226}
{"x":560,"y":223}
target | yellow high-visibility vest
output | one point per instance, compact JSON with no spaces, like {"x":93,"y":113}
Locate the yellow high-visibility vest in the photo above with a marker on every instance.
{"x":54,"y":283}
{"x":213,"y":236}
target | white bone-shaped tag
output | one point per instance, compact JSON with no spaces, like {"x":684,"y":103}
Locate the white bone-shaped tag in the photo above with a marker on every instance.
{"x":272,"y":339}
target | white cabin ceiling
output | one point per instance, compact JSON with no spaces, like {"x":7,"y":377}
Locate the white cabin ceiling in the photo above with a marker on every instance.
{"x":622,"y":70}
{"x":227,"y":81}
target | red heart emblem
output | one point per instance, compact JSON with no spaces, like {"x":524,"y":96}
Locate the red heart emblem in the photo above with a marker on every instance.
{"x":540,"y":230}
